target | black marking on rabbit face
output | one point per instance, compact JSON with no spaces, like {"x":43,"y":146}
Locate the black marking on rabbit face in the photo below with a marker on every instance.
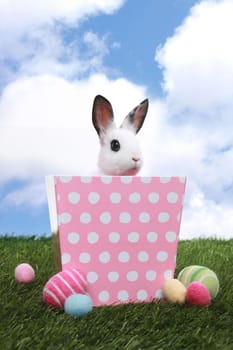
{"x":136,"y":117}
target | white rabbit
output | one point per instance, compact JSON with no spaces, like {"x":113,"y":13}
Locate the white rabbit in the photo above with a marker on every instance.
{"x":120,"y":152}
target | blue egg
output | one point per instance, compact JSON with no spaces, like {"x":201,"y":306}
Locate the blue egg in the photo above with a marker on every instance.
{"x":78,"y":305}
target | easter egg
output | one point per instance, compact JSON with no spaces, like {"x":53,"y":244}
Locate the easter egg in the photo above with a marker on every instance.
{"x":198,"y":294}
{"x":174,"y":291}
{"x":202,"y":274}
{"x":65,"y":283}
{"x":78,"y":305}
{"x":24,"y":273}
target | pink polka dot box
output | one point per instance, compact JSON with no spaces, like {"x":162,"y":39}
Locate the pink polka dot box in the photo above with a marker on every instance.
{"x":121,"y":231}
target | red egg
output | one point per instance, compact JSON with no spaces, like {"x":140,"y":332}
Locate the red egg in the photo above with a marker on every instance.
{"x":198,"y":294}
{"x":65,"y":283}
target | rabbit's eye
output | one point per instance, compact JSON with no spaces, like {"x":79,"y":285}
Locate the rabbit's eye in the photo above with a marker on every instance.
{"x":115,"y":145}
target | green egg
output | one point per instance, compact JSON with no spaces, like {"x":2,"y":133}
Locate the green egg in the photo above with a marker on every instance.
{"x":202,"y":274}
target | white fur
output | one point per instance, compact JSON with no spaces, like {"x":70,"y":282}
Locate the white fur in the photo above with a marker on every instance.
{"x":121,"y":162}
{"x":126,"y":160}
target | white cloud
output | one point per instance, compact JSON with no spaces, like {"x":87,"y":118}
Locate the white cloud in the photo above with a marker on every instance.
{"x":94,"y":43}
{"x":198,"y":60}
{"x":204,"y":217}
{"x":37,"y":40}
{"x":50,"y":101}
{"x":33,"y":195}
{"x":46,"y":124}
{"x":17,"y":16}
{"x":197,"y":63}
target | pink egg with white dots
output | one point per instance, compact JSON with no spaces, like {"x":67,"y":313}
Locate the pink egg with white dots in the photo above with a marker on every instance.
{"x":24,"y":273}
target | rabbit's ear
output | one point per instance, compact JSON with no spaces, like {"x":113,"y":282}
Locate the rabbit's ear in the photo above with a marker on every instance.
{"x":102,"y":114}
{"x":136,"y":117}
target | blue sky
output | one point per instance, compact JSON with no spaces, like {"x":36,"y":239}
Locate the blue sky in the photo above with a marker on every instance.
{"x":140,"y":28}
{"x":58,"y":55}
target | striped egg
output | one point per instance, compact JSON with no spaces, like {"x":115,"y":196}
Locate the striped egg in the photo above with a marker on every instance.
{"x":65,"y":283}
{"x":201,"y":274}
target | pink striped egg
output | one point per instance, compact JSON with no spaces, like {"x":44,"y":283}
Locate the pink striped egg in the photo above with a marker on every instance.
{"x":65,"y":283}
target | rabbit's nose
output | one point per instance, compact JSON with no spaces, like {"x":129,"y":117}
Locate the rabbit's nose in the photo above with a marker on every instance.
{"x":135,"y":159}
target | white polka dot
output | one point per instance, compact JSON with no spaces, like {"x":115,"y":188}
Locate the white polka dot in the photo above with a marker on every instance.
{"x":86,"y":179}
{"x":104,"y":257}
{"x":153,"y":197}
{"x":65,"y":179}
{"x":165,"y":180}
{"x":182,"y":179}
{"x":170,"y":236}
{"x":142,"y":294}
{"x":126,"y":179}
{"x":93,"y":197}
{"x":92,"y":237}
{"x":123,"y":257}
{"x":168,"y":274}
{"x":73,"y":237}
{"x":144,"y":217}
{"x":125,"y":218}
{"x":133,"y":237}
{"x":172,"y":197}
{"x":163,"y":217}
{"x":64,"y":218}
{"x":113,"y":276}
{"x":66,"y":258}
{"x":104,"y":296}
{"x":151,"y":275}
{"x":152,"y":236}
{"x":146,"y":179}
{"x":84,"y":258}
{"x":162,"y":256}
{"x":74,"y":197}
{"x":134,"y":197}
{"x":143,"y":256}
{"x":106,"y":179}
{"x":115,"y":197}
{"x":114,"y":237}
{"x":132,"y":276}
{"x":105,"y":217}
{"x":123,"y":295}
{"x":92,"y":277}
{"x":85,"y":218}
{"x":159,"y":294}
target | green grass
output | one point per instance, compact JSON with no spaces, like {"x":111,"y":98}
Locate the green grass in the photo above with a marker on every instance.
{"x":27,"y":323}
